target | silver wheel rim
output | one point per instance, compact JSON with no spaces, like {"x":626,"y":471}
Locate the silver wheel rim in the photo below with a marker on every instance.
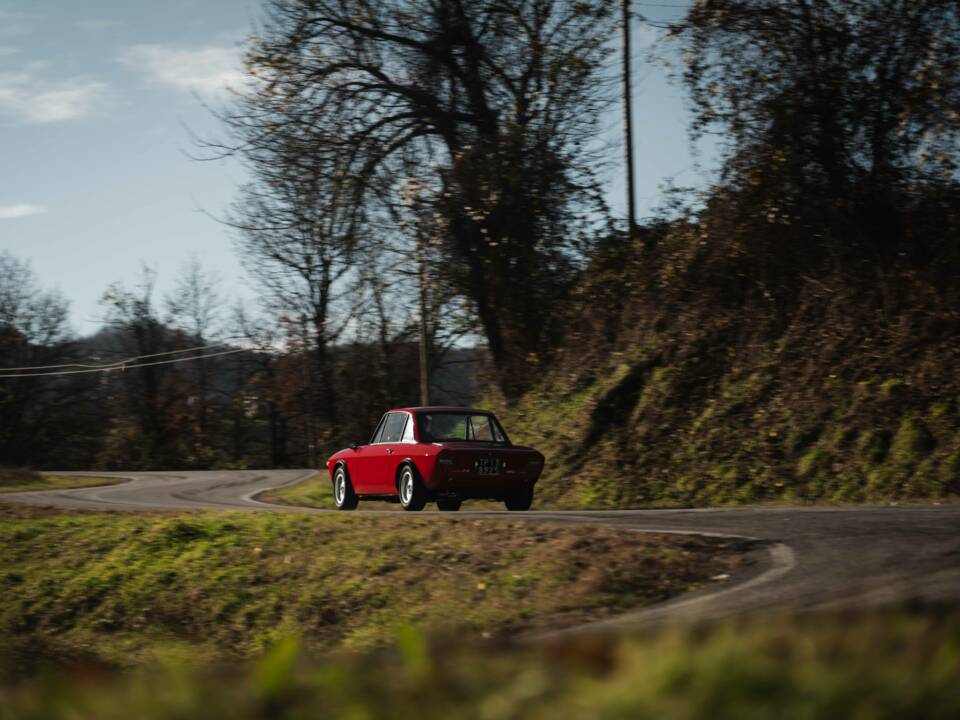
{"x":406,"y":487}
{"x":341,"y":488}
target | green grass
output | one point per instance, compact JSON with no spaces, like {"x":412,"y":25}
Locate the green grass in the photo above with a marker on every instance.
{"x":314,"y":491}
{"x":691,"y":433}
{"x":317,"y":492}
{"x":28,"y":481}
{"x":134,"y":589}
{"x":867,"y":666}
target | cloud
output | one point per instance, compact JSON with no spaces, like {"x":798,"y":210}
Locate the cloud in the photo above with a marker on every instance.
{"x":9,"y":212}
{"x":204,"y":70}
{"x":33,"y":99}
{"x":6,"y":51}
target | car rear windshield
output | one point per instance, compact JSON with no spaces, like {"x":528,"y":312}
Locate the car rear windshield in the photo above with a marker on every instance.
{"x":438,"y":427}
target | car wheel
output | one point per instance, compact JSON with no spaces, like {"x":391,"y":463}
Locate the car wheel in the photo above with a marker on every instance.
{"x":448,"y":504}
{"x":520,"y":500}
{"x":413,"y":496}
{"x":344,"y":498}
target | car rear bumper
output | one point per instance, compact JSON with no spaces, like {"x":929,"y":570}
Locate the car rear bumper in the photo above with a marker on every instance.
{"x":469,"y":485}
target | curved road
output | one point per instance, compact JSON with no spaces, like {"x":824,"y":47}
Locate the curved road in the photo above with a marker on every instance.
{"x":809,"y":558}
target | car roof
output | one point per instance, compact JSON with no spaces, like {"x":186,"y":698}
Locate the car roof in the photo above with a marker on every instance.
{"x":442,"y":409}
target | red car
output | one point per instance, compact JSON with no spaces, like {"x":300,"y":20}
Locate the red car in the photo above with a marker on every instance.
{"x":436,"y":454}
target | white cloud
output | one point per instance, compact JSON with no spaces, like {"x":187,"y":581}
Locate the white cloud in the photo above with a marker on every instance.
{"x":6,"y":51}
{"x":204,"y":70}
{"x":9,"y":212}
{"x":33,"y":99}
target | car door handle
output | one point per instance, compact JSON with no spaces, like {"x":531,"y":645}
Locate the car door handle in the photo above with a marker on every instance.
{"x":389,"y":451}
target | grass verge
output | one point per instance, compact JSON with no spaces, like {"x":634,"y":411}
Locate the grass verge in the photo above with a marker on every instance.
{"x":314,"y":491}
{"x":134,"y":589}
{"x":877,"y":666}
{"x":28,"y":481}
{"x":317,"y":492}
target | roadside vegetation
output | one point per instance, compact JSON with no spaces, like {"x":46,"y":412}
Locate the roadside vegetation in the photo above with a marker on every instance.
{"x":878,"y":666}
{"x":841,"y":389}
{"x":27,"y":481}
{"x":317,"y":492}
{"x":124,"y":590}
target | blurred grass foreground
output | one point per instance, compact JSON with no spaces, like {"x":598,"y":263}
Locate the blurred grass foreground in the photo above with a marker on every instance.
{"x":867,"y":665}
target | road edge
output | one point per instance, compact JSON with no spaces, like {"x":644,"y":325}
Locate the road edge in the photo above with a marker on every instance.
{"x":685,"y":608}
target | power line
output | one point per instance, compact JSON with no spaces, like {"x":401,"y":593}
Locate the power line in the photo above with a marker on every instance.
{"x":102,"y":366}
{"x":114,"y":368}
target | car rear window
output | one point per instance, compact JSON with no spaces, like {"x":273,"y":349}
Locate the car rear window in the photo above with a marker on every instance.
{"x":438,"y":427}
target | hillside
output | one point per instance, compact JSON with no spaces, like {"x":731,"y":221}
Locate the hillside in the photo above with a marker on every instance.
{"x":706,"y":387}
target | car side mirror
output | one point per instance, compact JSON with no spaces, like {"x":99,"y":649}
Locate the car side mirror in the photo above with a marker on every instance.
{"x":354,"y":445}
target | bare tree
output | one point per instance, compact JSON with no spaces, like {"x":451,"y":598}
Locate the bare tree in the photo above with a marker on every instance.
{"x":495,"y":101}
{"x":194,"y":308}
{"x":298,"y":237}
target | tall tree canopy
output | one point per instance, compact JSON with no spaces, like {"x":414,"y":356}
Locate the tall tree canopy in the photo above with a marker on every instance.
{"x":843,"y":107}
{"x":491,"y":105}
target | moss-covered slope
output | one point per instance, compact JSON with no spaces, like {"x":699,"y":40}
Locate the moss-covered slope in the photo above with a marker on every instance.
{"x":840,"y":387}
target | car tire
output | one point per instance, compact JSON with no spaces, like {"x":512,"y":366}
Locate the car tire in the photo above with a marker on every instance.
{"x":344,"y":498}
{"x":449,"y":504}
{"x":520,"y":500}
{"x":413,"y":495}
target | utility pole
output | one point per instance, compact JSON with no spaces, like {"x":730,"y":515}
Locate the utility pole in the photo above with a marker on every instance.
{"x":628,"y":120}
{"x":422,"y":287}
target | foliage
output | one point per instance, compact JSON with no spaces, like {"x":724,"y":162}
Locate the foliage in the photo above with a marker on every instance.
{"x":880,"y":665}
{"x":681,"y":391}
{"x":838,"y":116}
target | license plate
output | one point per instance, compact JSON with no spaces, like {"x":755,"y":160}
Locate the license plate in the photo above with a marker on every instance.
{"x":487,"y":466}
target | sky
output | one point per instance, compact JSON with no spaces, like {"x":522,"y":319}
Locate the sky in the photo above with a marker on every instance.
{"x":98,"y":99}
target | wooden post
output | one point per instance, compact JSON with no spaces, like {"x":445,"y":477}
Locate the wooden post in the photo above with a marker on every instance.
{"x":628,"y":120}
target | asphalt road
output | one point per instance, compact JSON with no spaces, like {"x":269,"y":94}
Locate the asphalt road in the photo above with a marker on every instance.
{"x":810,"y":558}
